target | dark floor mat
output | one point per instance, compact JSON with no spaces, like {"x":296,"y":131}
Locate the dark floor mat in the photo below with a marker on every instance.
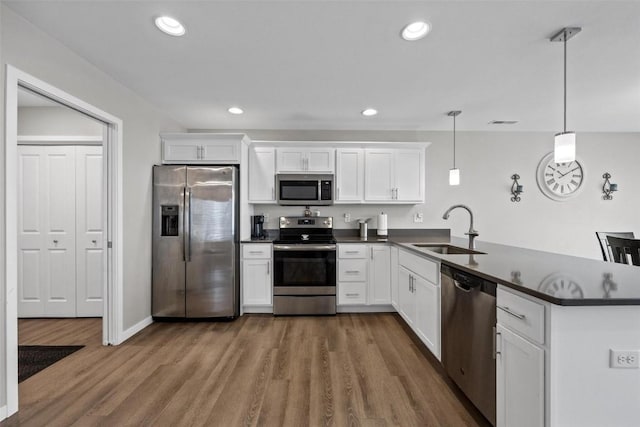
{"x":34,"y":358}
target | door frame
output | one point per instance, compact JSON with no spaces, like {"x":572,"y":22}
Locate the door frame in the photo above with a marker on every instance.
{"x":113,"y":274}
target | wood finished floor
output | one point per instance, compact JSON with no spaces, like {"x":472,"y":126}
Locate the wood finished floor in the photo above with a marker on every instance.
{"x":348,"y":370}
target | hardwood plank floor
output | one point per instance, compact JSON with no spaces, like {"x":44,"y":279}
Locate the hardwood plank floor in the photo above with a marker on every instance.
{"x":347,"y":370}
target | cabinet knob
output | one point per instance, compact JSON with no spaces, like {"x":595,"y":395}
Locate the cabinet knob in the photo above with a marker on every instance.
{"x":55,"y":242}
{"x":94,"y":241}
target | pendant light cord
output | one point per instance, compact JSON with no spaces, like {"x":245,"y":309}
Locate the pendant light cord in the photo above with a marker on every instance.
{"x":454,"y":141}
{"x":565,"y":82}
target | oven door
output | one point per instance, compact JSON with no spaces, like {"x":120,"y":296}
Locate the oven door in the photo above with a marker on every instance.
{"x":304,"y":269}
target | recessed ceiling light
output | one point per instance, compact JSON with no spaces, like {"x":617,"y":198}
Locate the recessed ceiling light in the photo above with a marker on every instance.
{"x":169,"y":25}
{"x":235,"y":110}
{"x":369,"y":112}
{"x":416,"y":30}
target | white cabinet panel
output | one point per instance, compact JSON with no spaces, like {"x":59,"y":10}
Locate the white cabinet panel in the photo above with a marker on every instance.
{"x":181,"y":152}
{"x":409,"y":175}
{"x":380,"y":275}
{"x":394,"y":278}
{"x":220,"y":151}
{"x":256,"y":282}
{"x":352,"y":293}
{"x":352,"y":270}
{"x":349,"y":175}
{"x":427,"y":324}
{"x":300,"y":159}
{"x":379,"y":176}
{"x":205,"y":148}
{"x":406,"y":296}
{"x":256,"y":251}
{"x":349,"y":250}
{"x":262,"y":170}
{"x":520,"y":381}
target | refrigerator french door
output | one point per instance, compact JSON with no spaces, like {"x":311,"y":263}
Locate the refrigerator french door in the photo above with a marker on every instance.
{"x":195,"y":242}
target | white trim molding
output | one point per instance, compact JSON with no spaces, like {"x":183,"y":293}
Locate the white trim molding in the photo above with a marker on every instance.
{"x":136,"y":328}
{"x":113,"y":190}
{"x":60,"y":140}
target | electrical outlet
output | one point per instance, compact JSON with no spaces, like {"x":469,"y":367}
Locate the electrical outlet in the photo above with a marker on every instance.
{"x":266,"y":218}
{"x":624,"y":359}
{"x":347,"y":217}
{"x":418,"y":217}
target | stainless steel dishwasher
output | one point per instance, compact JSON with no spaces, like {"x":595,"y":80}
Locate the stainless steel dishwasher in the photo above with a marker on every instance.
{"x":468,"y":325}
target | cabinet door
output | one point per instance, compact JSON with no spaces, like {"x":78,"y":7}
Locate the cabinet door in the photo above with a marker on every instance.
{"x":291,"y":160}
{"x":220,"y":152}
{"x":427,"y":296}
{"x":394,"y":278}
{"x":349,"y":175}
{"x":256,"y":282}
{"x":46,"y":232}
{"x":262,"y":167}
{"x":409,"y":175}
{"x":320,"y":160}
{"x":379,"y":175}
{"x":406,"y":296}
{"x":520,"y":381}
{"x":180,"y":151}
{"x":89,"y":237}
{"x":379,"y":274}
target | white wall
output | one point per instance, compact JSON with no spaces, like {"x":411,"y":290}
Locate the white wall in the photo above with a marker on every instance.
{"x":56,"y":121}
{"x":30,"y":50}
{"x":3,"y":285}
{"x":487,"y":160}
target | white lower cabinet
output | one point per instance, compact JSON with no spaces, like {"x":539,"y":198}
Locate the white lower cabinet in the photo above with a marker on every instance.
{"x":257,"y":278}
{"x":364,"y":275}
{"x":419,"y":297}
{"x":519,"y":380}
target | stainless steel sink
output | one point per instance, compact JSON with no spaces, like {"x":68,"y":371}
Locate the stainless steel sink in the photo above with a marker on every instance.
{"x":447,"y":249}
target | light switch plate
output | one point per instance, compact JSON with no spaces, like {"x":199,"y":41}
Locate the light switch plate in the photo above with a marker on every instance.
{"x":624,"y":359}
{"x":418,"y":217}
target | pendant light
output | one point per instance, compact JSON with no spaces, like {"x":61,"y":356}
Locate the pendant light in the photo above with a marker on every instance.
{"x":565,"y":142}
{"x":454,"y":173}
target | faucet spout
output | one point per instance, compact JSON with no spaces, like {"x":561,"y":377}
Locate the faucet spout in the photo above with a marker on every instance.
{"x":472,"y":233}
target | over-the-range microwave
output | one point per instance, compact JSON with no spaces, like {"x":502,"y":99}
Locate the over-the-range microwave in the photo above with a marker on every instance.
{"x":304,"y":189}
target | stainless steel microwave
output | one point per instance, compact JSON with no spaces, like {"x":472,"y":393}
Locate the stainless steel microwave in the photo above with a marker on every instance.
{"x":304,"y":189}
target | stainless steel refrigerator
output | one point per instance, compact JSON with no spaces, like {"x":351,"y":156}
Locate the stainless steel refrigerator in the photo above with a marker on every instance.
{"x":195,"y":242}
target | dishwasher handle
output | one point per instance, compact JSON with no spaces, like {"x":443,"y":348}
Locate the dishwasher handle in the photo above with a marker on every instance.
{"x":461,"y":286}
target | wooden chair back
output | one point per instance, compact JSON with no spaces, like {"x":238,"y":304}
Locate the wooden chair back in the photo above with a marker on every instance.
{"x":607,"y":255}
{"x":625,"y":251}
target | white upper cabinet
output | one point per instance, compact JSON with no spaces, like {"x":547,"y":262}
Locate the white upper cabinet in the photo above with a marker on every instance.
{"x":262,"y":169}
{"x":349,"y":175}
{"x":301,"y":159}
{"x":394,"y":175}
{"x":204,"y":148}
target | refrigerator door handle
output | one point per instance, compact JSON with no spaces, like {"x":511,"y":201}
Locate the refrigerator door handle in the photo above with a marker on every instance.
{"x":187,"y":226}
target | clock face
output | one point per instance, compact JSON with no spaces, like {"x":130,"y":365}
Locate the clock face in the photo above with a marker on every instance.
{"x":559,"y":181}
{"x":560,"y":286}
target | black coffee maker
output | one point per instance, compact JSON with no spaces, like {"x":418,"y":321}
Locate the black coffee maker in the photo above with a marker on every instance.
{"x":257,"y":227}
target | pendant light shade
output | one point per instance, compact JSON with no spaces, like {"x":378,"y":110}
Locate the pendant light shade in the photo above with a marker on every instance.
{"x":564,"y":147}
{"x":454,"y":176}
{"x":565,"y":142}
{"x":454,"y":173}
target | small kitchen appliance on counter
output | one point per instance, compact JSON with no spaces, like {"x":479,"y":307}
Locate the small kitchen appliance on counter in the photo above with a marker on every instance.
{"x":257,"y":227}
{"x":304,"y":266}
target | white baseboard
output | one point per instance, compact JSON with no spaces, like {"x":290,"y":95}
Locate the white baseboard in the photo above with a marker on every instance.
{"x":264,"y":309}
{"x":3,"y":412}
{"x":383,"y":308}
{"x":135,"y":329}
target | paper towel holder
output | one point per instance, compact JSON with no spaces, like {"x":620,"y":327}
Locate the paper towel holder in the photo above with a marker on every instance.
{"x":382,"y":225}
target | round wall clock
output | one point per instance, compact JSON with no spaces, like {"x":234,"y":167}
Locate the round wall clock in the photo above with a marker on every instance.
{"x":561,"y":286}
{"x":559,"y":181}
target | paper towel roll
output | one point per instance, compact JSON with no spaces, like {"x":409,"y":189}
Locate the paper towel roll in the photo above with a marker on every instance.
{"x":382,"y":225}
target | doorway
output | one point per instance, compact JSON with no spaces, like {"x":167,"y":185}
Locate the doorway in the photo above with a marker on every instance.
{"x":112,"y":275}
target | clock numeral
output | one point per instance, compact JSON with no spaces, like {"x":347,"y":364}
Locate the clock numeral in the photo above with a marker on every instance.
{"x":562,"y":189}
{"x":574,"y":182}
{"x":555,"y":187}
{"x":552,"y":168}
{"x":548,"y":174}
{"x":551,"y":181}
{"x":577,"y":175}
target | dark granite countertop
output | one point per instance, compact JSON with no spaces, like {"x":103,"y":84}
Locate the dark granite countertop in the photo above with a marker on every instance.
{"x":559,"y":279}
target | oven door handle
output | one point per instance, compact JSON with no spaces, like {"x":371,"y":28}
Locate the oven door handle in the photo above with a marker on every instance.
{"x":325,"y":248}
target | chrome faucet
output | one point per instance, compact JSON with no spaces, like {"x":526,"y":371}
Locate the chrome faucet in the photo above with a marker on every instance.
{"x":471,"y":233}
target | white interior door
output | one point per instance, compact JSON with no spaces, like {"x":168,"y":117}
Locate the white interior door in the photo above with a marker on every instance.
{"x":89,"y":233}
{"x":46,"y":232}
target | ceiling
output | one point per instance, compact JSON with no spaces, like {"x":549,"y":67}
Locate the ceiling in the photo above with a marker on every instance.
{"x":317,"y":64}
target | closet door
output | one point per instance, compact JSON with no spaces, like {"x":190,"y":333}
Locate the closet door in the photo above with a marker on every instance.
{"x":46,"y":232}
{"x":89,"y":256}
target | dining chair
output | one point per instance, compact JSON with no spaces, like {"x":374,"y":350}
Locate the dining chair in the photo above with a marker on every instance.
{"x":604,"y":244}
{"x":625,"y":250}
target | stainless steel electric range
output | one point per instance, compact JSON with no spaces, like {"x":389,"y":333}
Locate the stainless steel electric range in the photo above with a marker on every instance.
{"x":304,"y":268}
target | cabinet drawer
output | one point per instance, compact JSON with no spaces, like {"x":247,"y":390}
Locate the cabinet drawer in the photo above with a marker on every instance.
{"x":352,"y":251}
{"x":352,"y":293}
{"x":421,"y":266}
{"x":352,"y":270}
{"x":256,"y":251}
{"x":521,"y":315}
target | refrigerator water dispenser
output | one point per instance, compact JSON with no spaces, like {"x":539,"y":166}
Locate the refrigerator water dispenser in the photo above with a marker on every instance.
{"x":170,"y":220}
